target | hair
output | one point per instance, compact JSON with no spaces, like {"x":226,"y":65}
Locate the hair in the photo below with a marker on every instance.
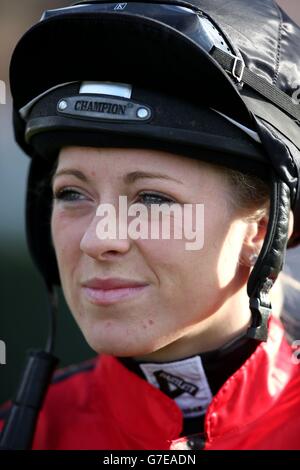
{"x":251,"y":195}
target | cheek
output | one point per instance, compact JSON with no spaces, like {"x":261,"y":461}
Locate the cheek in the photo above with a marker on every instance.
{"x":188,"y":285}
{"x":223,"y":240}
{"x":181,"y":276}
{"x":193,"y":280}
{"x":228,"y":261}
{"x":67,"y":233}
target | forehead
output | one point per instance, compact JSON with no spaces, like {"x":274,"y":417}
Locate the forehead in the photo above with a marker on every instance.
{"x":121,"y":159}
{"x":127,"y":166}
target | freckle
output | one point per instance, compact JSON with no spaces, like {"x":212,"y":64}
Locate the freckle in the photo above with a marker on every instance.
{"x":150,"y":322}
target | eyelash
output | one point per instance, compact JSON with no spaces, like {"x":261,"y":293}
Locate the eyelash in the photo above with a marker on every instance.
{"x":163,"y":199}
{"x":66,"y":195}
{"x":71,"y":195}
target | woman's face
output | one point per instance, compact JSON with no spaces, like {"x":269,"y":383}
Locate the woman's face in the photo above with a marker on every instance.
{"x":180,"y":291}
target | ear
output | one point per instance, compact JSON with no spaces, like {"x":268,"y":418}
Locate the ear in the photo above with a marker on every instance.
{"x":254,"y":238}
{"x":253,"y":241}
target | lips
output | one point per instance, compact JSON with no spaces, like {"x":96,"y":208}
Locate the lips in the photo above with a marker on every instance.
{"x":112,"y":283}
{"x":108,"y":291}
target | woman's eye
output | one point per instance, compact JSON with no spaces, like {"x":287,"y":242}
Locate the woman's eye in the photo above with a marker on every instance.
{"x":68,"y":195}
{"x":152,"y":198}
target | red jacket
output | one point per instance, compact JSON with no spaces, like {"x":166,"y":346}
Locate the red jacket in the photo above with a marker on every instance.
{"x":102,"y":405}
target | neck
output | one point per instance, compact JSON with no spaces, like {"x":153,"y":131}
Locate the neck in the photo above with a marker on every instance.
{"x":227,"y":323}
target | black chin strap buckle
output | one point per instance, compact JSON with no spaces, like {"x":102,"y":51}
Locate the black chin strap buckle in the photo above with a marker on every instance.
{"x":260,"y":316}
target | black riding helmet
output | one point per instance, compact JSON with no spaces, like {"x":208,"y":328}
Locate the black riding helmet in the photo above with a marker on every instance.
{"x":208,"y":80}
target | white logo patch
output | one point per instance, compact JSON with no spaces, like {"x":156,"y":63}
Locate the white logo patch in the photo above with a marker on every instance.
{"x":184,"y":381}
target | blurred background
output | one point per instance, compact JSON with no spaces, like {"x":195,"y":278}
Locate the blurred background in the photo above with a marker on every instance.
{"x":23,"y":319}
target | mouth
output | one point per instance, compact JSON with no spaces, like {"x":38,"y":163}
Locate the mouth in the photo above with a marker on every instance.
{"x":110,"y":296}
{"x":110,"y":291}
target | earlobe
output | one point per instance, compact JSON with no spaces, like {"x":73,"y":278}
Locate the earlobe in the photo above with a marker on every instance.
{"x":253,"y":241}
{"x":262,"y":225}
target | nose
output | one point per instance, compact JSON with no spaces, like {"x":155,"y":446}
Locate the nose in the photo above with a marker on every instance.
{"x":100,"y":241}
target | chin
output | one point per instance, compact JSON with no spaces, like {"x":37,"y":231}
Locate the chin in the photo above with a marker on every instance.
{"x":117,"y":347}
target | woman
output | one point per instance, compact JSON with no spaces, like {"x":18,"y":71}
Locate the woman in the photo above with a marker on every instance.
{"x":183,"y":362}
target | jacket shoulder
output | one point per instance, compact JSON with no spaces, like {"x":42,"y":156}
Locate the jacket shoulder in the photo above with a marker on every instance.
{"x":74,"y":370}
{"x":64,"y":379}
{"x":70,"y":385}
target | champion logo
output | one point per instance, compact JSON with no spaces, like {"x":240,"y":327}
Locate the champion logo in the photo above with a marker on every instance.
{"x":120,"y":6}
{"x":116,"y":109}
{"x":100,"y":107}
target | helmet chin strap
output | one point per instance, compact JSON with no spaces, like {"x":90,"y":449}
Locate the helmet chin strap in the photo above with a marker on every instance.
{"x":270,"y":260}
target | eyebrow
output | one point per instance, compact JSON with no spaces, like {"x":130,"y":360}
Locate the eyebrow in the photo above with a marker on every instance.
{"x":135,"y":175}
{"x":77,"y":173}
{"x":130,"y":178}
